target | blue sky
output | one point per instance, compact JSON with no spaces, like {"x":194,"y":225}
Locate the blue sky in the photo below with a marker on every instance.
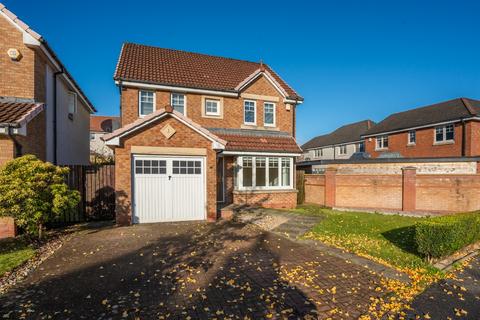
{"x":350,"y":60}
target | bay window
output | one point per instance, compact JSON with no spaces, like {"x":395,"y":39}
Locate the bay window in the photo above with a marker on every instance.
{"x":261,"y":172}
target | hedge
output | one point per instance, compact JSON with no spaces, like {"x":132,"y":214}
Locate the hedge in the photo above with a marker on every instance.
{"x":441,"y":236}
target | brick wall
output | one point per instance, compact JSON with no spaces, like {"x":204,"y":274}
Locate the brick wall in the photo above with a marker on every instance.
{"x":268,"y":199}
{"x":425,"y":147}
{"x":232,"y":108}
{"x":7,"y":149}
{"x":409,"y":192}
{"x":152,"y":136}
{"x":35,"y":141}
{"x":16,"y":77}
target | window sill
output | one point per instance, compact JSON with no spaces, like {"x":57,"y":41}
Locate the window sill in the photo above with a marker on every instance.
{"x":411,"y":144}
{"x":442,"y":143}
{"x":212,"y":116}
{"x":381,"y":149}
{"x":243,"y":191}
{"x":255,"y":127}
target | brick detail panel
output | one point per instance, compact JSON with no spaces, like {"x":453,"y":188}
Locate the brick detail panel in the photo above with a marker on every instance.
{"x":408,"y":189}
{"x":268,"y":199}
{"x":8,"y":228}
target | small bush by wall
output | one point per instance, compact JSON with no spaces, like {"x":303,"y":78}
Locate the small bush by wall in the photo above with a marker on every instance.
{"x":441,"y":236}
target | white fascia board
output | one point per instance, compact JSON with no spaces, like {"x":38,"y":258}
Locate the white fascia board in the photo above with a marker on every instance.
{"x":113,"y":142}
{"x":248,"y":153}
{"x":22,"y":130}
{"x":29,"y":40}
{"x":419,"y":127}
{"x":292,"y":101}
{"x":173,"y":88}
{"x":268,"y":77}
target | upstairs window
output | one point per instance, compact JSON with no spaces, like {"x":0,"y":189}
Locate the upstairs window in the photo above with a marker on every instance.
{"x":444,"y":133}
{"x":342,"y":150}
{"x":249,"y":110}
{"x":269,"y":114}
{"x":412,"y":137}
{"x":146,"y":102}
{"x":318,"y":153}
{"x":212,"y":107}
{"x":382,"y":142}
{"x":178,"y":102}
{"x":72,"y":103}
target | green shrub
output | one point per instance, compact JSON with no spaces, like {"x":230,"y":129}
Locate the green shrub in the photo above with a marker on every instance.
{"x":441,"y":236}
{"x":34,"y":192}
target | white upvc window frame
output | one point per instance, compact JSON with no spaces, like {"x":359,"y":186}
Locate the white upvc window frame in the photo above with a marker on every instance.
{"x":209,"y":113}
{"x":381,"y":146}
{"x":140,"y":114}
{"x":318,"y":153}
{"x":184,"y":101}
{"x":239,"y":174}
{"x":254,"y":123}
{"x":274,"y":106}
{"x":341,"y":149}
{"x":444,"y":134}
{"x":409,"y":137}
{"x":72,"y":96}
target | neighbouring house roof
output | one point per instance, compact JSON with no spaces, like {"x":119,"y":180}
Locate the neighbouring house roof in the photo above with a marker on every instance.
{"x":450,"y":110}
{"x":17,"y":114}
{"x":257,"y":140}
{"x":22,"y":26}
{"x":104,"y":123}
{"x":141,"y":63}
{"x":345,"y":134}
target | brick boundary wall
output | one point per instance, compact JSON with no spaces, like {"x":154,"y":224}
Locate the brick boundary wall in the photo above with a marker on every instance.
{"x":407,"y":193}
{"x":8,"y":228}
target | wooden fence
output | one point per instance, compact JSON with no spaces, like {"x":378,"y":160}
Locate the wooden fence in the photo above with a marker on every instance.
{"x":96,"y":184}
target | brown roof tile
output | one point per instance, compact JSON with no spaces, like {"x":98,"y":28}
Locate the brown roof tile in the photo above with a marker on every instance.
{"x":450,"y":110}
{"x":257,"y":141}
{"x":186,"y":69}
{"x":17,"y":113}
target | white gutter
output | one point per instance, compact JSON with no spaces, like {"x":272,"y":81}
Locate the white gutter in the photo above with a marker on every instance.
{"x":248,"y":153}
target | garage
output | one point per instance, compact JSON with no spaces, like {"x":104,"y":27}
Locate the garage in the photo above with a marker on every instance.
{"x":168,"y":189}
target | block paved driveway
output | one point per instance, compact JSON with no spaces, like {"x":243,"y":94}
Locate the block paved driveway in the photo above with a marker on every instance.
{"x":190,"y":271}
{"x":457,"y":298}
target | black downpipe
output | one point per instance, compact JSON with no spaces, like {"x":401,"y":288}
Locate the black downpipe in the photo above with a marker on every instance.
{"x":16,"y":144}
{"x":55,"y":114}
{"x":464,"y":138}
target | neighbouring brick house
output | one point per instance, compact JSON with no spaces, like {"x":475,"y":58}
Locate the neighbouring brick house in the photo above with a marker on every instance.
{"x":100,"y":126}
{"x":446,"y":129}
{"x":199,"y":133}
{"x":339,"y":144}
{"x":43,"y":111}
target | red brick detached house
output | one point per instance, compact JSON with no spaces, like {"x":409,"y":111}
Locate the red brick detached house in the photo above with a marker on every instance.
{"x":446,"y":129}
{"x":43,"y":111}
{"x":199,"y":133}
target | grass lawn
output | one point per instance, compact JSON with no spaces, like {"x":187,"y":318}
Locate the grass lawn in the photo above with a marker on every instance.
{"x":388,"y":239}
{"x":14,"y":252}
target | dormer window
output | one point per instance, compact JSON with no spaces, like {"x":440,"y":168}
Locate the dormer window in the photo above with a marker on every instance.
{"x":146,"y":103}
{"x":179,"y":102}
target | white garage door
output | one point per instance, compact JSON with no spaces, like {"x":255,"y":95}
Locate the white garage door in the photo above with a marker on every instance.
{"x":168,"y":189}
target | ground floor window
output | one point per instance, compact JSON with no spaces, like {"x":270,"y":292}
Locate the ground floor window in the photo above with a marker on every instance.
{"x":262,"y":172}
